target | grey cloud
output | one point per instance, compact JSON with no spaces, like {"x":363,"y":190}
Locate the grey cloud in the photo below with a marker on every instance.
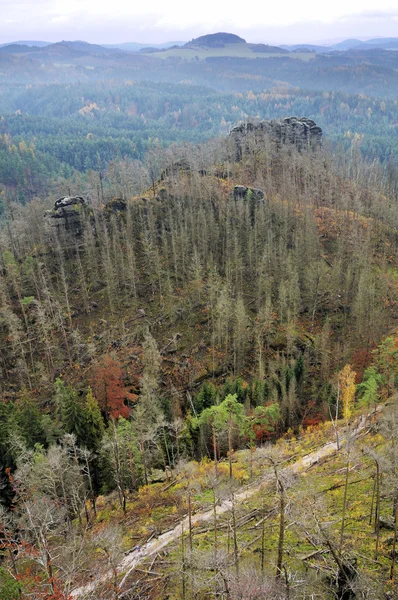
{"x":44,"y":24}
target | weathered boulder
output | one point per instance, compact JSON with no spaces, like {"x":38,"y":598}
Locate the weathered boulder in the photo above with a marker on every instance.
{"x":68,"y":215}
{"x":302,"y":133}
{"x":69,"y":201}
{"x":386,"y":523}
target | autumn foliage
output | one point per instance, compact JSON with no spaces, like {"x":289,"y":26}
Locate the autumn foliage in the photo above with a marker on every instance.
{"x":109,"y":389}
{"x":347,"y":388}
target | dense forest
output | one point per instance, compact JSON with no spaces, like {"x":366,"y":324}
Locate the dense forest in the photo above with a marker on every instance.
{"x":55,"y":132}
{"x":198,"y":346}
{"x":141,"y":328}
{"x":79,"y":107}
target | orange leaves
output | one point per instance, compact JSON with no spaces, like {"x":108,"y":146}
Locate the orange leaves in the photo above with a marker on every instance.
{"x":109,"y":388}
{"x":361,"y":359}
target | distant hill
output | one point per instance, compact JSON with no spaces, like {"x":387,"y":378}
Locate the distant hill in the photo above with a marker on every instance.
{"x":346,"y":45}
{"x":381,"y":43}
{"x":64,"y":49}
{"x":306,"y":48}
{"x":215,"y":40}
{"x":19,"y":49}
{"x":26,"y":43}
{"x":266,"y":49}
{"x":210,"y":41}
{"x":136,"y":46}
{"x":220,"y":44}
{"x":86,"y":47}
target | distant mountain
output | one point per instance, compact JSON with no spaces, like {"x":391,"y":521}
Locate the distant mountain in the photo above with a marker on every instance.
{"x":19,"y":49}
{"x":26,"y":43}
{"x":86,"y":47}
{"x":136,"y":46}
{"x":215,"y":40}
{"x":381,"y":43}
{"x":215,"y":45}
{"x":82,"y":46}
{"x":64,"y":49}
{"x":306,"y":47}
{"x":266,"y":49}
{"x":346,"y":45}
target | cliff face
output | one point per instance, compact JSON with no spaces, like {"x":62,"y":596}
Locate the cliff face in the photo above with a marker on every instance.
{"x":303,"y":133}
{"x":68,"y":216}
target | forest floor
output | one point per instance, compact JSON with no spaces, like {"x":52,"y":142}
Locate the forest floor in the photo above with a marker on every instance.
{"x":154,"y":546}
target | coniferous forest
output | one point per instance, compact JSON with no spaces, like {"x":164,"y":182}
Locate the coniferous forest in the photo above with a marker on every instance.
{"x":198,"y":333}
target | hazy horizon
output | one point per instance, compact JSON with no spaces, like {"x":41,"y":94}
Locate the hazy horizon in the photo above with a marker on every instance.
{"x":96,"y":21}
{"x":320,"y":42}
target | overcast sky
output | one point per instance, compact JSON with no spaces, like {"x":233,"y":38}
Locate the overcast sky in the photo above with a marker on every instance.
{"x":112,"y":21}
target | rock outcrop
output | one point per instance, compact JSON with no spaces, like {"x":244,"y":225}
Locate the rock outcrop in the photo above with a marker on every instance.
{"x":241,"y":192}
{"x":116,"y":206}
{"x":302,"y":133}
{"x":68,"y":216}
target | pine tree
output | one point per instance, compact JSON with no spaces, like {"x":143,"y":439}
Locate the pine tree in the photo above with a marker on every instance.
{"x":94,"y":423}
{"x":71,"y":411}
{"x":30,"y":422}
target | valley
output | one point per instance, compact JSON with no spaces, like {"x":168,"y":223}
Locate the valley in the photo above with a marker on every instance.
{"x":198,"y":320}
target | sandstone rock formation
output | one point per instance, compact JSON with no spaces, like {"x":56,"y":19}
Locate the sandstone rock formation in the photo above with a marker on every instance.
{"x":302,"y":133}
{"x":68,"y":215}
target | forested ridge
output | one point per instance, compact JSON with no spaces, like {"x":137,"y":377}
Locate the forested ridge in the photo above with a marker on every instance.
{"x":91,"y":109}
{"x":52,"y":134}
{"x":174,"y":319}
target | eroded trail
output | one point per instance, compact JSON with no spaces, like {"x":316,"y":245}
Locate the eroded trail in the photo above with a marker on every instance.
{"x":151,"y":548}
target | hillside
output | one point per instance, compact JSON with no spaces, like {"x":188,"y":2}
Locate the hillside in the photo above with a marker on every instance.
{"x":179,"y":328}
{"x":244,"y":506}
